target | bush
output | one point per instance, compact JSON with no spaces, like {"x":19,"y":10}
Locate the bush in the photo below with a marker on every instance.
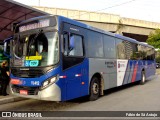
{"x":158,"y":59}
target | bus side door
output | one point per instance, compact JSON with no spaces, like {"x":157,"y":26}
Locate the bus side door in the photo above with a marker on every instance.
{"x":73,"y":64}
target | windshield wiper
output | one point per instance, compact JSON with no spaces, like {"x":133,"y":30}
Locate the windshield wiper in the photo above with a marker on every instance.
{"x":33,"y":40}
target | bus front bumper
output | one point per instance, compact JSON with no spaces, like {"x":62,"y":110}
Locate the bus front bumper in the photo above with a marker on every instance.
{"x":50,"y":93}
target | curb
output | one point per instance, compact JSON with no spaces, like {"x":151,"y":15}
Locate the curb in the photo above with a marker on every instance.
{"x":11,"y":99}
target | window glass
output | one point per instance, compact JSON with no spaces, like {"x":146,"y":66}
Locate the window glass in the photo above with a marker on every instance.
{"x":65,"y":43}
{"x":142,"y":52}
{"x":95,"y":44}
{"x":153,"y":54}
{"x":109,"y":47}
{"x":120,"y":47}
{"x":134,"y":54}
{"x":44,"y":49}
{"x":75,"y":46}
{"x":150,"y":53}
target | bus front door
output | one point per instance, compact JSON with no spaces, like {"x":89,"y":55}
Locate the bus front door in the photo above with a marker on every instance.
{"x":73,"y":64}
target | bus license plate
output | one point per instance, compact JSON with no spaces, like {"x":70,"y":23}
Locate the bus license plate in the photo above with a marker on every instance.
{"x":24,"y":92}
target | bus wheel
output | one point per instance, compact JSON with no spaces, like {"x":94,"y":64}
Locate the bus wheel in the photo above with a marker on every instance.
{"x":143,"y":78}
{"x":94,"y":89}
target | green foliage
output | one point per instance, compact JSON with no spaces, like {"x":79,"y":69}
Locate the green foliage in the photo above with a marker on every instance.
{"x":138,"y":55}
{"x":154,"y":39}
{"x":158,"y":59}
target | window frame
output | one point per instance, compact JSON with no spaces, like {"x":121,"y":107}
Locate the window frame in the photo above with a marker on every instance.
{"x":68,"y":40}
{"x":117,"y":52}
{"x":104,"y":52}
{"x":88,"y":43}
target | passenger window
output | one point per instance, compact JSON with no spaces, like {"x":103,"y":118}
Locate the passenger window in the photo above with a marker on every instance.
{"x":120,"y":45}
{"x":109,"y":47}
{"x":95,"y":45}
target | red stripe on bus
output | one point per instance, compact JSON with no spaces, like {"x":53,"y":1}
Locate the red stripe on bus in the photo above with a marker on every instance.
{"x":134,"y":73}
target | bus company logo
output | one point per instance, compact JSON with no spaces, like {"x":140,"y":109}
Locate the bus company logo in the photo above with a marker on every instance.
{"x":6,"y":114}
{"x":74,"y":29}
{"x":121,"y":64}
{"x":110,"y":64}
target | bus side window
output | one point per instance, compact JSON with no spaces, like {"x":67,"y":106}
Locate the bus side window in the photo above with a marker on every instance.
{"x":120,"y":44}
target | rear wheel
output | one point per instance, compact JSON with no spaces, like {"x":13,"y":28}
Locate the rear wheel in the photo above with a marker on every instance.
{"x":94,"y":89}
{"x":143,"y":78}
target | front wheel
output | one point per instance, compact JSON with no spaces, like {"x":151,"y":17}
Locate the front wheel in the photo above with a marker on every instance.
{"x":94,"y":89}
{"x":143,"y":78}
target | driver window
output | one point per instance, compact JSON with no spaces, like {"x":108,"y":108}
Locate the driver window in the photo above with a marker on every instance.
{"x":75,"y":46}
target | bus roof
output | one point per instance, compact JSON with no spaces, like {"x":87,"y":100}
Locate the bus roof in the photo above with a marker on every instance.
{"x":83,"y":25}
{"x":99,"y":30}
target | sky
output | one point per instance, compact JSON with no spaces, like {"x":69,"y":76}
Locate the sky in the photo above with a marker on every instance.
{"x":137,"y":9}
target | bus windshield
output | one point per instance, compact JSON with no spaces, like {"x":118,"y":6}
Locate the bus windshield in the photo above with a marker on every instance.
{"x":37,"y":49}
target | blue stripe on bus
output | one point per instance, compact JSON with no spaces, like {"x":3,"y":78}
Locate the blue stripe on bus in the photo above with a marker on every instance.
{"x":147,"y":65}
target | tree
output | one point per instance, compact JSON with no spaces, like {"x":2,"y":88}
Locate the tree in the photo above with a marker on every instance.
{"x":154,"y":39}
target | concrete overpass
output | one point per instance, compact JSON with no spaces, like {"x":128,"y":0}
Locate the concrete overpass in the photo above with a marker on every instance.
{"x":137,"y":29}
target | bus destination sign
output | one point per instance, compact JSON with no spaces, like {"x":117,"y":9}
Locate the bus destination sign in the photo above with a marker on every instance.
{"x":39,"y":24}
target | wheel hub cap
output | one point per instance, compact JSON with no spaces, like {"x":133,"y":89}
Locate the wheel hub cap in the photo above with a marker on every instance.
{"x":95,"y":88}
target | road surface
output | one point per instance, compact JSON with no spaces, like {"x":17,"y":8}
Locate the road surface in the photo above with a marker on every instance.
{"x":128,"y":98}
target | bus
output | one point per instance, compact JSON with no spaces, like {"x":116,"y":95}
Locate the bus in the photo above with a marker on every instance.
{"x":55,"y":58}
{"x":3,"y":56}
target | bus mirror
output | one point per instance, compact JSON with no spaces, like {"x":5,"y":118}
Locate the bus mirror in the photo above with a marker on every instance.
{"x":5,"y":47}
{"x":6,"y":50}
{"x":71,"y":44}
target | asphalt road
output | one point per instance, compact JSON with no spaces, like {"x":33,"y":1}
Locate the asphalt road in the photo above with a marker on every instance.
{"x":127,"y":98}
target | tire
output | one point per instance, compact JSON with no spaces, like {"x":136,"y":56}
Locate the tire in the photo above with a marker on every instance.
{"x":94,"y":89}
{"x":143,"y":78}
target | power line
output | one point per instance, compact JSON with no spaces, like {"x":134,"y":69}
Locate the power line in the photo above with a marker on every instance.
{"x":107,"y":8}
{"x":116,"y":5}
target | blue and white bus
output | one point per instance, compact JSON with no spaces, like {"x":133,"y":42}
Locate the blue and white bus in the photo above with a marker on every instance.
{"x":57,"y":59}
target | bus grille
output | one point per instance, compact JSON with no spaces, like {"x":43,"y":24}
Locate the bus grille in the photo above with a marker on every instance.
{"x":31,"y":90}
{"x":27,"y":73}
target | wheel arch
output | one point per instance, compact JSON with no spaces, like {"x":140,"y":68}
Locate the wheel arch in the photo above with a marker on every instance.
{"x":100,"y":78}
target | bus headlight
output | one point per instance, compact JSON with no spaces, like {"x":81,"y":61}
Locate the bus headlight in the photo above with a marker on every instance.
{"x":45,"y":83}
{"x":49,"y":81}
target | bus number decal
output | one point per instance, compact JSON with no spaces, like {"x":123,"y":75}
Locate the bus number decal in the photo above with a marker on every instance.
{"x":35,"y":83}
{"x":32,"y":63}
